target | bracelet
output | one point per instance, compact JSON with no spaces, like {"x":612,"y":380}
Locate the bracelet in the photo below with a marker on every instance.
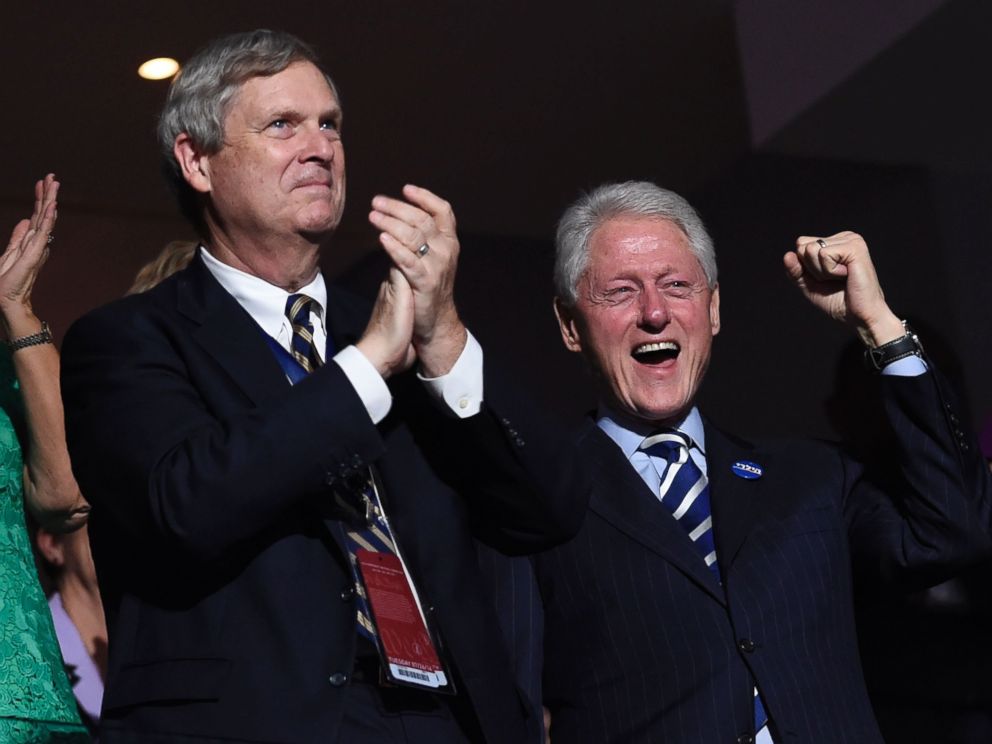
{"x":35,"y":339}
{"x":905,"y":346}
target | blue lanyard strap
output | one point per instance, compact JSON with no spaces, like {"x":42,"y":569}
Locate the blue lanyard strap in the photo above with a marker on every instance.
{"x":293,"y":369}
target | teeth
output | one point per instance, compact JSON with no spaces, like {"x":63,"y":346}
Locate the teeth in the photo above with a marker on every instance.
{"x":657,"y":346}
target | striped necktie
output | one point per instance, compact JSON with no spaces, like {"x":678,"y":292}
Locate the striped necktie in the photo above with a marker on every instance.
{"x":374,"y":534}
{"x":298,"y":309}
{"x":685,"y":492}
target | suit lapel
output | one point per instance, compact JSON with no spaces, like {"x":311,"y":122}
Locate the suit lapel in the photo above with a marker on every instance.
{"x":735,"y":501}
{"x":621,"y":498}
{"x":228,"y":334}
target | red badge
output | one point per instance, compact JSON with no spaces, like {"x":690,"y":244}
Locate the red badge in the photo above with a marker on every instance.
{"x":410,"y":655}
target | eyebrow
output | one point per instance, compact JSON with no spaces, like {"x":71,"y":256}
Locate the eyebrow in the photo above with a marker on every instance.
{"x":289,"y":112}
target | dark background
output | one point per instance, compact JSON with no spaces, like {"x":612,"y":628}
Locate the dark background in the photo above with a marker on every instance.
{"x":774,"y":117}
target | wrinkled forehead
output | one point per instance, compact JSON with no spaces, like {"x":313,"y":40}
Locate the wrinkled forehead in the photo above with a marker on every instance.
{"x":639,"y":241}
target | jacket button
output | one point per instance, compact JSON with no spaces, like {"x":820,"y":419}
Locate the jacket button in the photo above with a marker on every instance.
{"x":338,"y":679}
{"x":348,"y":593}
{"x":330,"y":479}
{"x":745,"y":739}
{"x":746,"y":645}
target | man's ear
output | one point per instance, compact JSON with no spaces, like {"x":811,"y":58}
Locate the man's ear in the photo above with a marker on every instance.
{"x":715,"y":310}
{"x":195,"y":165}
{"x":567,"y":325}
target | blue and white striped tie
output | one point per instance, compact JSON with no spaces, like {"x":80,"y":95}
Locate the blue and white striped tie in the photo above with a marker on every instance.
{"x":685,"y":492}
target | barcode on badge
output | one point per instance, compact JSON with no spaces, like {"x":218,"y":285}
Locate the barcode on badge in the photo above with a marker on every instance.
{"x":418,"y":677}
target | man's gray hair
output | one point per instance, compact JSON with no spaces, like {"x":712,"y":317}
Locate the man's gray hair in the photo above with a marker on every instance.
{"x":628,"y":199}
{"x":201,"y":95}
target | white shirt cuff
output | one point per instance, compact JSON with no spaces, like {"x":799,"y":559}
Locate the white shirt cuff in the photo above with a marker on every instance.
{"x":367,"y":381}
{"x":461,"y":389}
{"x":911,"y":366}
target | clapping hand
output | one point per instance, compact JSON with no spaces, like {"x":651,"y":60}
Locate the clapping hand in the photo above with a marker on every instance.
{"x":26,"y":254}
{"x":418,"y":233}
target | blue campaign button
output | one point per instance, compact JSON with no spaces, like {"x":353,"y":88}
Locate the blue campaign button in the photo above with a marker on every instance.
{"x":747,"y":469}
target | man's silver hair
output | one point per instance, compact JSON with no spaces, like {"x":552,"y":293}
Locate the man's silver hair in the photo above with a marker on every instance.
{"x":628,"y":199}
{"x":201,"y":95}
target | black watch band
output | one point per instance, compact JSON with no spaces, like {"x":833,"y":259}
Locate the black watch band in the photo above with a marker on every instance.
{"x":35,"y":339}
{"x":907,"y":345}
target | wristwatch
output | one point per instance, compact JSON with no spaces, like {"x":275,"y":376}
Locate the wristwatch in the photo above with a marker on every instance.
{"x":907,"y":345}
{"x":42,"y":337}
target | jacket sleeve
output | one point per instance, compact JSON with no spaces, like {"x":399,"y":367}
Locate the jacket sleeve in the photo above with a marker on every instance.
{"x":932,"y":517}
{"x":514,"y":464}
{"x":192,"y":472}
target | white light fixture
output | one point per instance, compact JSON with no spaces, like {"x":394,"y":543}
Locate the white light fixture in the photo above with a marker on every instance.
{"x":160,"y":68}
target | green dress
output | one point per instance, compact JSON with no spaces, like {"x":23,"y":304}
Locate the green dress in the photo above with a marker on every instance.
{"x":36,"y":702}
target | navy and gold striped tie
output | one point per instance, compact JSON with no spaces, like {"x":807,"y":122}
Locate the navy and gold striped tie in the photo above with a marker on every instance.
{"x":298,"y":309}
{"x":375,"y":534}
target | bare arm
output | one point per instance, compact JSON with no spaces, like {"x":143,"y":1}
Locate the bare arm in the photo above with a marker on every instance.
{"x":50,"y":489}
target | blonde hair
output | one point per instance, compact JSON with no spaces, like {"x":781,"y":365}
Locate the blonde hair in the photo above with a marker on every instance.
{"x":174,"y":257}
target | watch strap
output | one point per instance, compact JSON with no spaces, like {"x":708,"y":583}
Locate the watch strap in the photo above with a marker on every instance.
{"x":44,"y":336}
{"x":879,"y":357}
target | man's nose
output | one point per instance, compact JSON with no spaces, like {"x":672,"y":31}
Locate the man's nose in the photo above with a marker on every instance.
{"x":319,"y":144}
{"x":654,"y":310}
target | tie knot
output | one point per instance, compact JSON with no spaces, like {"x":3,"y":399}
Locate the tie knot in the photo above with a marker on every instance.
{"x":298,"y":308}
{"x":667,"y":444}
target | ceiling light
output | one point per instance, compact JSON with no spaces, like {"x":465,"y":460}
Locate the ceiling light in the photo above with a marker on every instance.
{"x":159,"y":68}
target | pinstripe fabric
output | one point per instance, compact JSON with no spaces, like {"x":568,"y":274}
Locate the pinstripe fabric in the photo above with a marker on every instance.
{"x":643,"y":645}
{"x":509,"y":582}
{"x":685,"y":493}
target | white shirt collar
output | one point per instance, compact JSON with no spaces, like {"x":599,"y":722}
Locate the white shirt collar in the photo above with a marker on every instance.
{"x":264,"y":302}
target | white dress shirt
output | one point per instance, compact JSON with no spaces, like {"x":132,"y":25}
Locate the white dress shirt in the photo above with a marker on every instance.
{"x":460,"y":390}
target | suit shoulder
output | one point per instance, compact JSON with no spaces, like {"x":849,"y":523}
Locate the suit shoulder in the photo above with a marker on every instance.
{"x":121,"y":314}
{"x":797,"y":449}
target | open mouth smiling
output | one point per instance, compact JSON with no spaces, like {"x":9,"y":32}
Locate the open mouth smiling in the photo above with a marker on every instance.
{"x":656,"y":352}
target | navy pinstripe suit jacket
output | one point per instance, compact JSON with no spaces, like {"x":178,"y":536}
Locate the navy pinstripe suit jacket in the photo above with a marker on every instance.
{"x":643,"y":645}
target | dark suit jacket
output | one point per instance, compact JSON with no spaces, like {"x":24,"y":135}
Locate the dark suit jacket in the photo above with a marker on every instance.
{"x":642,"y":643}
{"x":214,"y":533}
